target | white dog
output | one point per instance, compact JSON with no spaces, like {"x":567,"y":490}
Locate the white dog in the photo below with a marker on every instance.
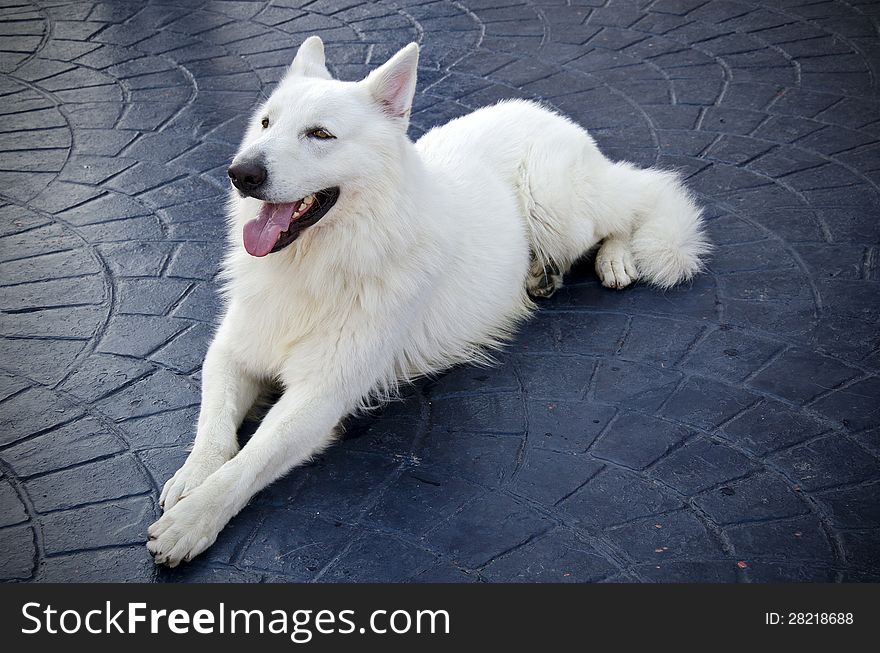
{"x":358,"y":260}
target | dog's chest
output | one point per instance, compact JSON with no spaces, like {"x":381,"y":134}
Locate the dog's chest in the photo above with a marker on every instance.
{"x":277,"y":321}
{"x":263,"y":328}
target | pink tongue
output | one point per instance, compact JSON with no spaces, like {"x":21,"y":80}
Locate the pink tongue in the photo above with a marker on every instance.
{"x":261,"y":233}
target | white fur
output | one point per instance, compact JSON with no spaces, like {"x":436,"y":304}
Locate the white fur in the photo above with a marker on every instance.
{"x":421,"y":264}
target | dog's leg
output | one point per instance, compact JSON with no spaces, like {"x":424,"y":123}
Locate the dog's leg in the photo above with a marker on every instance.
{"x":614,"y":263}
{"x":228,"y":392}
{"x":297,"y":427}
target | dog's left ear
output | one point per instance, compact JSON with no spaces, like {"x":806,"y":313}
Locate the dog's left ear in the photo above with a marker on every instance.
{"x":393,"y":84}
{"x":309,"y":60}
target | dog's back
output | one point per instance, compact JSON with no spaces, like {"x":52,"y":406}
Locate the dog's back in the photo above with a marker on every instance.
{"x":569,"y":196}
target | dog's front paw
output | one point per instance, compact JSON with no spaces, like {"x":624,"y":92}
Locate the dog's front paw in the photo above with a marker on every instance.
{"x":615,"y":265}
{"x":185,"y":530}
{"x":190,"y":476}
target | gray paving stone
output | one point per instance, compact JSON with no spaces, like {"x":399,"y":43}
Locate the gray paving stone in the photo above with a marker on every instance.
{"x":92,"y":115}
{"x":44,"y":240}
{"x":485,"y":528}
{"x":137,"y":335}
{"x":677,"y":572}
{"x":767,"y":572}
{"x":852,"y":507}
{"x":666,"y":537}
{"x":658,"y":340}
{"x":542,"y":378}
{"x":298,"y":546}
{"x":158,"y":392}
{"x":195,"y":261}
{"x":816,"y":465}
{"x":77,"y":442}
{"x":17,"y":219}
{"x":861,"y":548}
{"x":146,"y":227}
{"x":381,"y":553}
{"x":26,"y":413}
{"x":557,"y":557}
{"x":589,"y":334}
{"x":566,"y":425}
{"x":65,"y":322}
{"x":467,"y":378}
{"x":730,"y":354}
{"x":615,"y":496}
{"x":132,"y":564}
{"x":118,"y":522}
{"x":494,"y":413}
{"x":763,"y":496}
{"x":93,"y":170}
{"x":187,"y":350}
{"x":486,"y":458}
{"x":699,"y":465}
{"x":549,"y":477}
{"x":13,"y":510}
{"x":765,"y":255}
{"x":635,"y":441}
{"x":104,"y":208}
{"x":355,"y":476}
{"x":801,"y":538}
{"x":10,"y":385}
{"x":103,"y":142}
{"x":19,"y":559}
{"x":201,"y":571}
{"x":149,"y":296}
{"x":769,"y":426}
{"x":162,"y":461}
{"x":33,"y":359}
{"x":88,"y":483}
{"x":436,"y":497}
{"x":854,"y":406}
{"x":707,"y":404}
{"x":388,"y":435}
{"x":52,"y":294}
{"x":849,"y":299}
{"x":101,"y":374}
{"x":633,"y":385}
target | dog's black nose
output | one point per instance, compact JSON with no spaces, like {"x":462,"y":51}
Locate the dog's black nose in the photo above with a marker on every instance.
{"x":247,"y":176}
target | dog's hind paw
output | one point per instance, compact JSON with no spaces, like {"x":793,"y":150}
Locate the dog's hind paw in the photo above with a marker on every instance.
{"x":615,"y":265}
{"x":543,"y":280}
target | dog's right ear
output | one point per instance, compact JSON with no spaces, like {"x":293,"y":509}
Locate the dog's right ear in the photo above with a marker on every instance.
{"x":309,"y":60}
{"x":393,"y":84}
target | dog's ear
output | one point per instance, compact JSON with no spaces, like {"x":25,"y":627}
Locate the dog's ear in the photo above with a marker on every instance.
{"x":309,"y":60}
{"x":393,"y":84}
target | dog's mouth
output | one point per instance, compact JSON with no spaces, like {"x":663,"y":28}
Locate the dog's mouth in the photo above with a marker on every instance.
{"x":278,"y":225}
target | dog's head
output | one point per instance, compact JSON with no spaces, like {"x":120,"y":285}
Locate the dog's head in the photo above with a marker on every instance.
{"x":317,"y":139}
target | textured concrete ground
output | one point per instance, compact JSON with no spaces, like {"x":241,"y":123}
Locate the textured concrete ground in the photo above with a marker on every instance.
{"x":726,"y":431}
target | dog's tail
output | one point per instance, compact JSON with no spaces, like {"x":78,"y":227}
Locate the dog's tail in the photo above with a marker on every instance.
{"x":668,"y":241}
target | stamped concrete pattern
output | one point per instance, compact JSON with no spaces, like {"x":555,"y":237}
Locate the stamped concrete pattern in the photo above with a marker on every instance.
{"x":724,"y":431}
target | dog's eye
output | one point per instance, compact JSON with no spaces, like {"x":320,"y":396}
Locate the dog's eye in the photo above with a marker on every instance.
{"x":265,"y":123}
{"x":319,"y":132}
